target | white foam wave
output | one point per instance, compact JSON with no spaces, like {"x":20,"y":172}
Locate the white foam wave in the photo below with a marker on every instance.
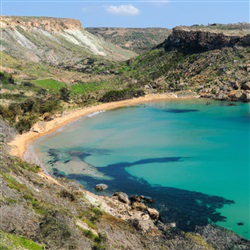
{"x":95,"y":113}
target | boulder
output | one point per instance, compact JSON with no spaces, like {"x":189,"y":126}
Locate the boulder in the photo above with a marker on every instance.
{"x":238,"y":94}
{"x":246,"y":96}
{"x":246,"y":86}
{"x":123,"y":197}
{"x":235,"y":85}
{"x":135,"y":198}
{"x":48,"y":118}
{"x":222,"y":96}
{"x":153,"y":213}
{"x":148,"y":86}
{"x":101,"y":187}
{"x":139,"y":206}
{"x":147,"y":199}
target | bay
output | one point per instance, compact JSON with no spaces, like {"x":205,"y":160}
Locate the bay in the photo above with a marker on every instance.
{"x":191,"y":156}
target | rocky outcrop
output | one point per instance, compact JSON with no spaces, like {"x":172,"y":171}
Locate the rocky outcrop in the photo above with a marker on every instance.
{"x":120,"y":206}
{"x":122,"y":197}
{"x":193,"y":41}
{"x":46,"y":23}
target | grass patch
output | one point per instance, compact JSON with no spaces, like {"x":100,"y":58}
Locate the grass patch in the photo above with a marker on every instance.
{"x":50,"y":84}
{"x":91,"y":216}
{"x":198,"y":240}
{"x":12,"y":182}
{"x":10,"y":201}
{"x":10,"y":241}
{"x":37,"y":205}
{"x":30,"y":167}
{"x":83,"y":88}
{"x":90,"y":235}
{"x":31,"y":199}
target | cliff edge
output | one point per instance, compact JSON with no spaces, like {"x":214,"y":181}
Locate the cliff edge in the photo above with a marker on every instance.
{"x":200,"y":39}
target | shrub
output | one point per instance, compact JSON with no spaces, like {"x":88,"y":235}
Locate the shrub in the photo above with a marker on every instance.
{"x":65,"y":94}
{"x":23,"y":125}
{"x":118,"y":95}
{"x":48,"y":105}
{"x":15,"y":109}
{"x":66,"y":194}
{"x":28,"y":105}
{"x":28,"y":84}
{"x":6,"y":78}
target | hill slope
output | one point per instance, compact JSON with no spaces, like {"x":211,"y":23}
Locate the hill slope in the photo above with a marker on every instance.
{"x":138,"y":40}
{"x":54,"y":40}
{"x":213,"y":62}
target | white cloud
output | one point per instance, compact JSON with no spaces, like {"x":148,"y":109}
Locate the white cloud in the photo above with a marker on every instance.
{"x":123,"y":10}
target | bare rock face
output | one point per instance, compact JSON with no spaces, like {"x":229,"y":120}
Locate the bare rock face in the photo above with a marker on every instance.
{"x":47,"y":39}
{"x":193,"y":41}
{"x":46,"y":23}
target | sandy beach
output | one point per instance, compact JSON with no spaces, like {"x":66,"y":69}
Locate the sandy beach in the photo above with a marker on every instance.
{"x":20,"y":143}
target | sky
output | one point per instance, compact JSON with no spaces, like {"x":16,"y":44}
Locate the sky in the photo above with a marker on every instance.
{"x":134,"y":14}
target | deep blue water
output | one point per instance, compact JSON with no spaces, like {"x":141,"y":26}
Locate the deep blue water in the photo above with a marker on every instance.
{"x":192,"y":158}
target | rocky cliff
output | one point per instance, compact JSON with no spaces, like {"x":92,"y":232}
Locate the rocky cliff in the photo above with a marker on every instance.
{"x":193,"y":40}
{"x":212,"y":61}
{"x":46,"y":23}
{"x":54,"y":41}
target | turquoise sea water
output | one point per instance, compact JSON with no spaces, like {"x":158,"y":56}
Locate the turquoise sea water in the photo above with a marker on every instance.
{"x":192,"y":158}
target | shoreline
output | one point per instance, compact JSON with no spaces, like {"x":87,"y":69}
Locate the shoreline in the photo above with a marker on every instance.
{"x":20,"y":143}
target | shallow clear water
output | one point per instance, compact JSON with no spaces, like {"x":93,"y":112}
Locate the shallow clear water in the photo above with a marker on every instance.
{"x":192,"y":158}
